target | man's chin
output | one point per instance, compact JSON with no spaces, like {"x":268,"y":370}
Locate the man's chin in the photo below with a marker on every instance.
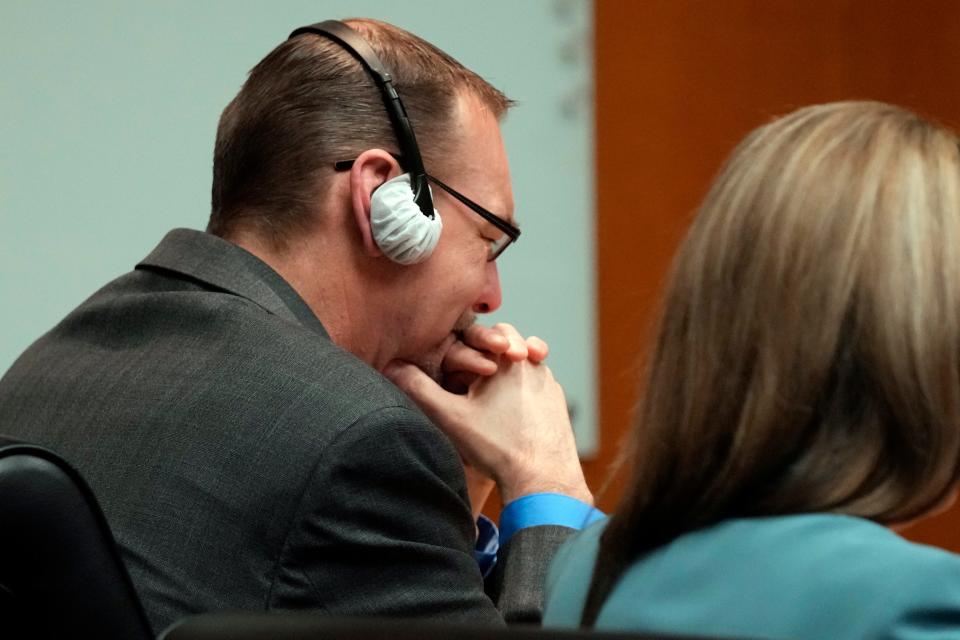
{"x":432,"y":369}
{"x":432,"y":361}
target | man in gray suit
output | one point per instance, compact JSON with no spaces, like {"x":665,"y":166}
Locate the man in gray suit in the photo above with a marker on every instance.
{"x":226,"y":399}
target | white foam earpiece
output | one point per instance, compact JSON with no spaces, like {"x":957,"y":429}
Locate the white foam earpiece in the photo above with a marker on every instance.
{"x":399,"y":228}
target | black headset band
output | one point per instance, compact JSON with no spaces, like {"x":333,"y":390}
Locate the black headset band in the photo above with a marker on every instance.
{"x":352,"y":42}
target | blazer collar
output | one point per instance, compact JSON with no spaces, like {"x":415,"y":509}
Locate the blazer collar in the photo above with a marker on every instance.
{"x":223,"y":265}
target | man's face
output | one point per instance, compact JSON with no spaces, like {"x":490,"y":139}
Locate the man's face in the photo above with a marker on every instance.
{"x":457,"y":281}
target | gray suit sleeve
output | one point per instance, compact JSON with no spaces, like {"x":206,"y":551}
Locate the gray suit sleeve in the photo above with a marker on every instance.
{"x":519,"y":578}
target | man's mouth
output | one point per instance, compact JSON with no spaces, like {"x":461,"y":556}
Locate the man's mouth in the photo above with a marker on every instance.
{"x":463,"y":323}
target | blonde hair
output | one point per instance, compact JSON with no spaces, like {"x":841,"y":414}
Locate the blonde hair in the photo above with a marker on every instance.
{"x":808,"y":355}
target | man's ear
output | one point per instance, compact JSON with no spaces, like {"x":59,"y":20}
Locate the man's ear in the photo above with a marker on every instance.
{"x":370,"y":170}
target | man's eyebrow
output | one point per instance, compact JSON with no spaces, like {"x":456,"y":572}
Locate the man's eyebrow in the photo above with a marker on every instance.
{"x":493,"y":218}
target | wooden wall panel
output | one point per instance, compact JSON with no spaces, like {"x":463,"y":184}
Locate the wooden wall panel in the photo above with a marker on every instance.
{"x":678,"y":83}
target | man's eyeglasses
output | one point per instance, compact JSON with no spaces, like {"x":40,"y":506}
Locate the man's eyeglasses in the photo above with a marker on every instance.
{"x":510,"y":231}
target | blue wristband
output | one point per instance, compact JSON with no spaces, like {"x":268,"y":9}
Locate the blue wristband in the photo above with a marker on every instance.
{"x":539,"y":509}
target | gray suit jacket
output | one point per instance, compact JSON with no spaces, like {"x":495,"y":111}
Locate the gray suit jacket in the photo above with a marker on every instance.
{"x":244,"y":461}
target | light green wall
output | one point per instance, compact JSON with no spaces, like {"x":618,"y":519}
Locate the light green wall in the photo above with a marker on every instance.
{"x":108,"y":111}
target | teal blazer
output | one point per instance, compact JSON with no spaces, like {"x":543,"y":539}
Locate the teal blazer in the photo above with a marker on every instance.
{"x":822,"y":577}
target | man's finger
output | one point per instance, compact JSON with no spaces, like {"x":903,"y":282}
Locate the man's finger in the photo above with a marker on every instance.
{"x":537,"y":350}
{"x":486,"y":339}
{"x":462,"y":358}
{"x":517,"y":351}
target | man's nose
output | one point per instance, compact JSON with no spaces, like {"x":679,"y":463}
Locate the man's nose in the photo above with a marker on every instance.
{"x":491,"y":296}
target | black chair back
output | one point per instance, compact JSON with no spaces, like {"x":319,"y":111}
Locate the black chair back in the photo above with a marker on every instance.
{"x":60,"y":573}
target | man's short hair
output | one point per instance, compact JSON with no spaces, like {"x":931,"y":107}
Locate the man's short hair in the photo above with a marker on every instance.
{"x":308,"y":104}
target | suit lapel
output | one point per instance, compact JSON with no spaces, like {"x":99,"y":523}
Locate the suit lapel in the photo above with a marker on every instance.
{"x":223,"y":265}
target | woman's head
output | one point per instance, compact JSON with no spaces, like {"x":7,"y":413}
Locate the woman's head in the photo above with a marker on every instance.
{"x":808,"y":355}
